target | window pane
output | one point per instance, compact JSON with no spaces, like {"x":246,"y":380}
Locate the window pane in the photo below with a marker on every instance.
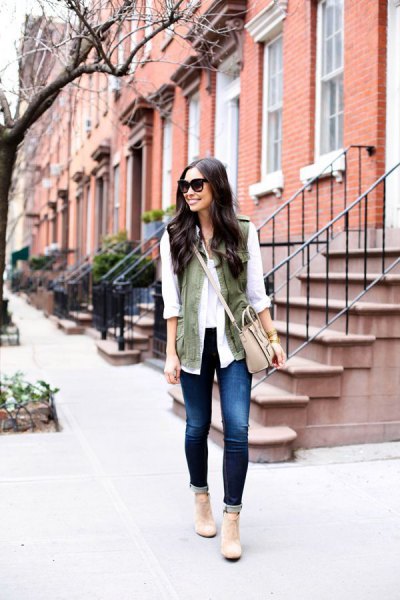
{"x":274,"y":79}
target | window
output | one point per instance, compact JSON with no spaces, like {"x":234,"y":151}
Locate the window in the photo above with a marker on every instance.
{"x":148,"y":26}
{"x":116,"y":199}
{"x":88,"y":221}
{"x":194,"y":128}
{"x":273,"y":87}
{"x":330,"y":68}
{"x":167,"y":164}
{"x":227,"y":117}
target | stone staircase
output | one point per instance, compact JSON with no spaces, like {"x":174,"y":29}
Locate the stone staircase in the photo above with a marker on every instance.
{"x":339,"y":389}
{"x":138,"y":337}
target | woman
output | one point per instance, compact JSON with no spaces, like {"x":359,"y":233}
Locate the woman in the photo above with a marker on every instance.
{"x":202,"y":340}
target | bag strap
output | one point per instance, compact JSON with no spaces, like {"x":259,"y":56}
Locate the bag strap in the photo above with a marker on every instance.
{"x":214,"y":284}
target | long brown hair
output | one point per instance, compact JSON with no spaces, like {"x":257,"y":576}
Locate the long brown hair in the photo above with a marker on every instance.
{"x":182,"y":228}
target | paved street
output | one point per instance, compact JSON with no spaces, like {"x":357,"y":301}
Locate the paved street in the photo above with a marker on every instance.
{"x":102,"y":510}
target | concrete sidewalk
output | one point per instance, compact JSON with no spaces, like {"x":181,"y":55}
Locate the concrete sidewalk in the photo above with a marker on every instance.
{"x":102,"y":510}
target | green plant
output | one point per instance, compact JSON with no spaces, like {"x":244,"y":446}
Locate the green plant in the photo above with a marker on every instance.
{"x":170,"y":211}
{"x":14,"y":390}
{"x":37,"y":263}
{"x":152,"y":215}
{"x":102,"y":263}
{"x":115,"y":238}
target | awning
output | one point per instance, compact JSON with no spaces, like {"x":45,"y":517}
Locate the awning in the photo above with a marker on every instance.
{"x":22,"y":254}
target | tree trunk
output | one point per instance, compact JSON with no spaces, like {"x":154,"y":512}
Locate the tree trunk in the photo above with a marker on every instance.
{"x":8,"y":153}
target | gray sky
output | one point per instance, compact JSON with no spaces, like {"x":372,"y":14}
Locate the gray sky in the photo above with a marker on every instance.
{"x":12,"y":14}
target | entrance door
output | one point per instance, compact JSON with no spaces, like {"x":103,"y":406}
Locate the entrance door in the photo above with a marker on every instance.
{"x":136,"y":193}
{"x":393,"y":114}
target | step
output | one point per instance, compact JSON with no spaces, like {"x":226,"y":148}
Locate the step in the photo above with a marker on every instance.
{"x":266,"y":444}
{"x":132,"y":337}
{"x":305,"y":377}
{"x":142,"y":324}
{"x":146,"y":308}
{"x":365,"y":318}
{"x":337,"y":259}
{"x":109,"y":351}
{"x":330,"y":347}
{"x":83,"y":318}
{"x":70,"y":327}
{"x":386,"y":290}
{"x":271,"y":405}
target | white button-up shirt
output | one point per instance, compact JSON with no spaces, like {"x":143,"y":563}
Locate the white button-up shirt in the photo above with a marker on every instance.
{"x":211,"y":312}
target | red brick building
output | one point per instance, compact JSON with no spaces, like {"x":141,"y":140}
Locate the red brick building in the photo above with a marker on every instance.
{"x":286,"y":88}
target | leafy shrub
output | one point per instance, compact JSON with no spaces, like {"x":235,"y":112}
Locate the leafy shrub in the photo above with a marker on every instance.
{"x":37,"y":263}
{"x":152,"y":215}
{"x":103,"y":263}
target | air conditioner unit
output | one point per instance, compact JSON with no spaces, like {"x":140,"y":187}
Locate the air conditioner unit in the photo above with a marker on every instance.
{"x":55,"y":169}
{"x":115,"y":83}
{"x":88,"y":125}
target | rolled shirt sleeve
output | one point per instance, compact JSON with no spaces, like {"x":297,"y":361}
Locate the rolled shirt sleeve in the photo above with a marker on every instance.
{"x":169,"y":281}
{"x":256,"y":293}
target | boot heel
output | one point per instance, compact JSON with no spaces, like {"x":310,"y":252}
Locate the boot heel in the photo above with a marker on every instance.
{"x":230,"y":538}
{"x":204,"y":523}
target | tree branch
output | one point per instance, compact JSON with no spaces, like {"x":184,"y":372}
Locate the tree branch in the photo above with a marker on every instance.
{"x":5,"y":108}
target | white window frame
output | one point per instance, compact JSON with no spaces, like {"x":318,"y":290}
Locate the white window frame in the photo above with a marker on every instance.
{"x":193,"y":127}
{"x":148,"y":27}
{"x":322,"y":160}
{"x":265,"y":147}
{"x":167,"y":164}
{"x":227,"y":114}
{"x":319,"y":77}
{"x":265,"y":27}
{"x":393,"y":114}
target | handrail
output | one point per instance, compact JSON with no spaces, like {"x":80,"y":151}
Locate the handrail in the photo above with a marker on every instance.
{"x":309,"y":182}
{"x":333,"y":221}
{"x":126,"y":258}
{"x":344,"y":214}
{"x":121,"y":277}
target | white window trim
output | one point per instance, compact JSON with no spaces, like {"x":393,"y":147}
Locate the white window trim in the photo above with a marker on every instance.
{"x":267,"y":24}
{"x":264,"y":153}
{"x":270,"y":183}
{"x":321,"y":166}
{"x":322,"y":160}
{"x":191,"y":156}
{"x":167,"y":164}
{"x":265,"y":27}
{"x":226,"y":98}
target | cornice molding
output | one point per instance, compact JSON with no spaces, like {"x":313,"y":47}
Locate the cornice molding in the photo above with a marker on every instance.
{"x":268,"y":21}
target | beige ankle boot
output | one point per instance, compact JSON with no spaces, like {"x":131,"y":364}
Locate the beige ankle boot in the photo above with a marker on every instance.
{"x":204,"y":523}
{"x":230,"y":537}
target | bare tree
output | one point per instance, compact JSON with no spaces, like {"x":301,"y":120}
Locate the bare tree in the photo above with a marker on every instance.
{"x":82,"y":38}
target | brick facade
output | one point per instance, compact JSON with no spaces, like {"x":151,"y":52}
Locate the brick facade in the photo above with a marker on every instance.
{"x":129,"y":122}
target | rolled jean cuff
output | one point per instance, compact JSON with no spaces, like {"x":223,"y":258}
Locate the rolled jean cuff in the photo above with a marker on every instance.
{"x":199,"y":490}
{"x":233,"y":509}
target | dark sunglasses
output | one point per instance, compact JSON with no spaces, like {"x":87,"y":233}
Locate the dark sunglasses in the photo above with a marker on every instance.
{"x":196,"y":185}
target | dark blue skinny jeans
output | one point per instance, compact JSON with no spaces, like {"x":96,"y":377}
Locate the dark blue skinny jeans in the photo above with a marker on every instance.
{"x":235,"y":386}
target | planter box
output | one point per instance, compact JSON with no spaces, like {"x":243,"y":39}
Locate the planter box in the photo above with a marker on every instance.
{"x":150,"y":230}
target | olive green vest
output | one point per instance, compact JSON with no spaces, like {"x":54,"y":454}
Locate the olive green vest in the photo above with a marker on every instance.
{"x":191,"y":286}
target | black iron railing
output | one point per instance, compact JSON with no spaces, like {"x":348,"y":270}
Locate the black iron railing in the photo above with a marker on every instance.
{"x":116,"y":298}
{"x":73,"y":290}
{"x":318,"y":200}
{"x":349,"y":228}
